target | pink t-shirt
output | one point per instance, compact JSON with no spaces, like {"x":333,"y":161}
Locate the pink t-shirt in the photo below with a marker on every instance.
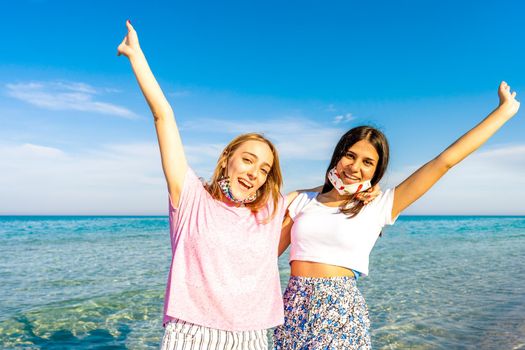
{"x":224,"y":271}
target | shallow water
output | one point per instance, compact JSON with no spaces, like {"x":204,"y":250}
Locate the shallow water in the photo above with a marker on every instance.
{"x":98,"y":283}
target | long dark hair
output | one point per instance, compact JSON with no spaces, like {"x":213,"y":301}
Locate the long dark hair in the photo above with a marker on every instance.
{"x":353,"y":206}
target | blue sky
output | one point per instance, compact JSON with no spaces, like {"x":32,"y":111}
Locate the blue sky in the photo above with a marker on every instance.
{"x":76,"y":136}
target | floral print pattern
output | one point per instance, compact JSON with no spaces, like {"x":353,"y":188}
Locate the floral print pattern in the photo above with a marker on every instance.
{"x":323,"y":313}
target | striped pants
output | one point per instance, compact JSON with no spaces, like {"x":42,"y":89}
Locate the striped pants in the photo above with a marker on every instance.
{"x":181,"y":335}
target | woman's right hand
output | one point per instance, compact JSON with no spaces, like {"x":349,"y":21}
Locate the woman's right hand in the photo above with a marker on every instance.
{"x":130,"y":44}
{"x":370,"y":194}
{"x":171,"y":149}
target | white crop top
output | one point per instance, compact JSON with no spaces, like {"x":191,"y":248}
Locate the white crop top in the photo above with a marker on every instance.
{"x":323,"y":234}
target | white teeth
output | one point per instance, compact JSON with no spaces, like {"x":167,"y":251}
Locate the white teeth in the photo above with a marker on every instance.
{"x":245,"y":184}
{"x":350,"y":177}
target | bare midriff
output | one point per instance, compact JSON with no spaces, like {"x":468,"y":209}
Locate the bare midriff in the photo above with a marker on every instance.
{"x":314,"y":269}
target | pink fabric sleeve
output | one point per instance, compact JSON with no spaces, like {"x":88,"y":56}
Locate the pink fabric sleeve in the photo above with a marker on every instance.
{"x":193,"y":192}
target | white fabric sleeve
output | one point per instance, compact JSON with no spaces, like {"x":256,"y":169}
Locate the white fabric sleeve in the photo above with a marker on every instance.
{"x":384,"y":204}
{"x":297,"y":205}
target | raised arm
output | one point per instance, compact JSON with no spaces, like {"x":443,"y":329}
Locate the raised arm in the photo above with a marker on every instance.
{"x":170,"y":144}
{"x":425,"y":177}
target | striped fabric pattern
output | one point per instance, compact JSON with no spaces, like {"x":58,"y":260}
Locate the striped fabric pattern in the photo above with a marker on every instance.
{"x":182,"y":335}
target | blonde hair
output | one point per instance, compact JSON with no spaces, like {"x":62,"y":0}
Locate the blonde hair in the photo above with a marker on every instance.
{"x":271,"y":189}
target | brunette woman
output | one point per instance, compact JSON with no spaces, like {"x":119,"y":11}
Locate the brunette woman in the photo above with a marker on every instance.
{"x":332,"y":233}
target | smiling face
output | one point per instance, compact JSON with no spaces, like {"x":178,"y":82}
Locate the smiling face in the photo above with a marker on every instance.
{"x":248,"y":167}
{"x":359,"y":163}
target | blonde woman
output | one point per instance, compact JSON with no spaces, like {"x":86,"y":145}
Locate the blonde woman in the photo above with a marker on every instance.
{"x":223,"y":289}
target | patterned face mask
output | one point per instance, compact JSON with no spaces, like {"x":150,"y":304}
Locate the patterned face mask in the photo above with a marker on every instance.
{"x":343,"y":189}
{"x":224,"y":184}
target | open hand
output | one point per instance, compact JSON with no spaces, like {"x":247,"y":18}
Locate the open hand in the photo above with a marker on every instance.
{"x":507,"y":100}
{"x":370,"y":194}
{"x":130,"y":44}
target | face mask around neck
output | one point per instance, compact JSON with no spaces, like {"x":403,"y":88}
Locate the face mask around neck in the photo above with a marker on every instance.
{"x":224,"y":184}
{"x":343,"y":189}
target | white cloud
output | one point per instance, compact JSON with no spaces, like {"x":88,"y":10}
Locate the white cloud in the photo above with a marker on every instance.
{"x":180,"y":93}
{"x":343,"y":118}
{"x":74,"y":86}
{"x":111,"y":179}
{"x":203,"y":153}
{"x":29,"y":149}
{"x":115,"y":179}
{"x":65,"y":96}
{"x":128,"y":179}
{"x":330,"y":108}
{"x":488,"y":182}
{"x":295,"y":138}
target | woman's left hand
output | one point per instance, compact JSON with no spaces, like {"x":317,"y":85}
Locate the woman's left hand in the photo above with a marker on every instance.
{"x":507,"y":99}
{"x":369,"y":195}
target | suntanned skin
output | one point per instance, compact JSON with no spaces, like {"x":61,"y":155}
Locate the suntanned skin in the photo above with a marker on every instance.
{"x":359,"y":165}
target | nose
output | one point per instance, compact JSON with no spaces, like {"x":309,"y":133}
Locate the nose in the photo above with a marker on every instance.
{"x":355,"y":166}
{"x":252,"y":173}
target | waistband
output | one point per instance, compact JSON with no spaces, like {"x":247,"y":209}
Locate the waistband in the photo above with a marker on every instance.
{"x":177,"y":325}
{"x":338,"y":280}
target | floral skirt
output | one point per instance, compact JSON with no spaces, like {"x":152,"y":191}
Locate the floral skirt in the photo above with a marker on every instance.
{"x":323,"y":313}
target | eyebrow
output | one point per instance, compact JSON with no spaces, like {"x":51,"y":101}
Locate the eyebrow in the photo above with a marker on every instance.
{"x":253,"y":155}
{"x":366,"y":158}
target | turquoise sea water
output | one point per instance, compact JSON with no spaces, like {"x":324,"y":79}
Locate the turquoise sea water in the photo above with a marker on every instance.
{"x":98,"y":283}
